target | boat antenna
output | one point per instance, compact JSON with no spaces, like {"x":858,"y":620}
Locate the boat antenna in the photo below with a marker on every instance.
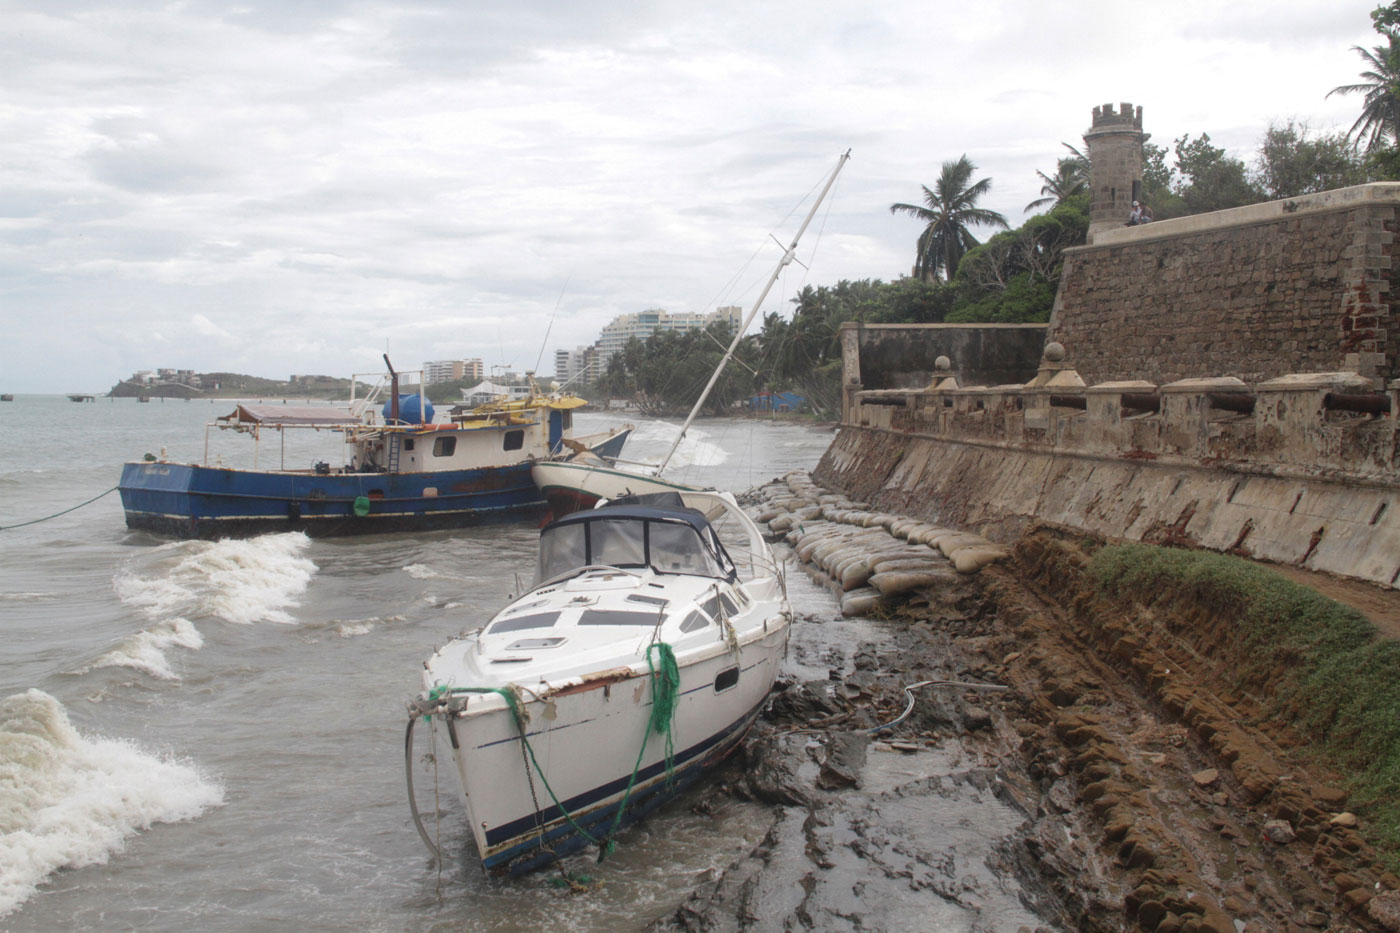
{"x":739,"y":334}
{"x":557,"y":302}
{"x":393,"y":391}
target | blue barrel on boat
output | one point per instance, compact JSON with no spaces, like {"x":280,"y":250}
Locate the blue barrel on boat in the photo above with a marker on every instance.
{"x":408,"y":410}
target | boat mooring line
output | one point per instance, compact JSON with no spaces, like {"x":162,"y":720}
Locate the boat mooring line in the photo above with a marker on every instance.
{"x":909,"y":692}
{"x":57,"y":514}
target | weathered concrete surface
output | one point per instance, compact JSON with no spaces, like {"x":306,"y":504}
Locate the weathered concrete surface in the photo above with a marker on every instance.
{"x":1341,"y":527}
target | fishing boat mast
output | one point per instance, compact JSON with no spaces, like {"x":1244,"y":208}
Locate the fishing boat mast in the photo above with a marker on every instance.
{"x":739,"y":335}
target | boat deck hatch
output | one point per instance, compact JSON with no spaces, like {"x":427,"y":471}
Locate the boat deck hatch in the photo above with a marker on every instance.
{"x":527,"y":644}
{"x":615,"y":617}
{"x":533,"y":620}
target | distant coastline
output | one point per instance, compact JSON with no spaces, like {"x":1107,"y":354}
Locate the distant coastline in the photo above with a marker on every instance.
{"x":236,"y":385}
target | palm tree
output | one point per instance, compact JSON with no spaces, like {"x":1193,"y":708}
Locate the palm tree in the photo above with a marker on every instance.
{"x":1380,"y":107}
{"x":947,"y":212}
{"x":1069,"y":179}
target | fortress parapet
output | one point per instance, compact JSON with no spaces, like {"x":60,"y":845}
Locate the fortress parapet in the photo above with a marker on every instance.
{"x":1309,"y":422}
{"x":1301,"y":469}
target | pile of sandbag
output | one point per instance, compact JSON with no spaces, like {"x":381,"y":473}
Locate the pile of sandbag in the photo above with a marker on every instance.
{"x":866,"y":557}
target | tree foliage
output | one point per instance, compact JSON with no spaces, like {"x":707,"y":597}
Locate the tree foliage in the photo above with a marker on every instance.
{"x":948,"y":212}
{"x":1378,"y":126}
{"x":1293,"y":161}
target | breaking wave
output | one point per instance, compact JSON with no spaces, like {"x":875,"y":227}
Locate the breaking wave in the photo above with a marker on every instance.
{"x":68,"y":800}
{"x":145,"y":651}
{"x":651,"y":439}
{"x":240,"y":581}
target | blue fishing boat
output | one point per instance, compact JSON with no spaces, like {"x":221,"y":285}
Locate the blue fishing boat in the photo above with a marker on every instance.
{"x":403,"y":471}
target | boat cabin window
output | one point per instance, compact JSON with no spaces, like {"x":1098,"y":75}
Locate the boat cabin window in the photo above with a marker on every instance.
{"x":444,"y":446}
{"x":562,"y":549}
{"x":408,"y":443}
{"x":664,"y":546}
{"x":533,"y":620}
{"x":676,"y":548}
{"x":615,"y":617}
{"x":694,"y":622}
{"x":514,"y":440}
{"x":619,"y":544}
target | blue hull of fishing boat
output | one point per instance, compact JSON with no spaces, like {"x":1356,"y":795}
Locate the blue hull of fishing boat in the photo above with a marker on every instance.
{"x":192,"y":501}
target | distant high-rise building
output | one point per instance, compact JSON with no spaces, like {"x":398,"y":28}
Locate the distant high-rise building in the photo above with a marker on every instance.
{"x":452,"y":370}
{"x":575,"y":367}
{"x":643,"y":324}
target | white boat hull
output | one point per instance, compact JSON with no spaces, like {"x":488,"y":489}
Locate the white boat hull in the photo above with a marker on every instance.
{"x":549,"y":705}
{"x":575,"y":485}
{"x":586,"y":753}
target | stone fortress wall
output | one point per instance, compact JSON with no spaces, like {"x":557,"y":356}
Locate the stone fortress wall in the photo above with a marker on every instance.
{"x":1255,"y":292}
{"x":1226,"y":380}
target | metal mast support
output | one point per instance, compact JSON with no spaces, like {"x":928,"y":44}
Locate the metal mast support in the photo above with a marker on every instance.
{"x":734,"y":344}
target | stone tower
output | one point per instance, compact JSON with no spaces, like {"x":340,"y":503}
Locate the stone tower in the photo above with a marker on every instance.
{"x":1115,"y":165}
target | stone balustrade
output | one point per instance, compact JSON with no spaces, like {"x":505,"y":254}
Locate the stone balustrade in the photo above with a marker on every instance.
{"x":1325,"y":422}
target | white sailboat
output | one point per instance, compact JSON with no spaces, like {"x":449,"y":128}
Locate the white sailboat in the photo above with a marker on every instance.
{"x":641,"y":656}
{"x":583,"y":481}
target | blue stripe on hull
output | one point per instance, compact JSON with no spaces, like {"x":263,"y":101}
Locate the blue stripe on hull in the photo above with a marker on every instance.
{"x":562,"y":839}
{"x":192,"y":501}
{"x":206,"y":502}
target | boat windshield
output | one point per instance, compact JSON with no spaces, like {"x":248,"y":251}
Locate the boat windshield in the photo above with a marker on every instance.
{"x":664,"y":546}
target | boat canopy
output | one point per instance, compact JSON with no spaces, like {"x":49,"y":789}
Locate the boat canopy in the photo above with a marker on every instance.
{"x":288,"y":414}
{"x":667,"y":540}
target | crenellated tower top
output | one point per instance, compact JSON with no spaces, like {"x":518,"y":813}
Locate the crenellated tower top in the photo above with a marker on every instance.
{"x":1125,"y":116}
{"x":1115,"y":141}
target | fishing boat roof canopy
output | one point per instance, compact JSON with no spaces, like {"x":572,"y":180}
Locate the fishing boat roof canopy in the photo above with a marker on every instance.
{"x":666,"y":539}
{"x":288,"y":414}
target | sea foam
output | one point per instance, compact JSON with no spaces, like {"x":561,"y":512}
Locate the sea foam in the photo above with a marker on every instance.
{"x":145,"y":651}
{"x":69,"y":800}
{"x":651,"y":439}
{"x":241,"y":581}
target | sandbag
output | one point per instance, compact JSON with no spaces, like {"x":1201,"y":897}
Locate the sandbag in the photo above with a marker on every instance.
{"x":855,"y":574}
{"x":950,"y":543}
{"x":899,"y":582}
{"x":974,"y":558}
{"x":903,"y":556}
{"x":905,"y":564}
{"x":929,"y":536}
{"x":859,"y":602}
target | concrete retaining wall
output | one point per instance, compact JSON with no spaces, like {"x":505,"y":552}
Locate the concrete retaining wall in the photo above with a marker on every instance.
{"x":1296,"y":480}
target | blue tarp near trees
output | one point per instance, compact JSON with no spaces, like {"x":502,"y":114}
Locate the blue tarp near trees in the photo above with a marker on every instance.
{"x":776,"y":401}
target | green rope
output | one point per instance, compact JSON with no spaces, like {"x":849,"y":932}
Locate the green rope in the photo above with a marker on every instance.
{"x":513,"y":702}
{"x":665,"y":690}
{"x":665,"y":693}
{"x":64,"y":512}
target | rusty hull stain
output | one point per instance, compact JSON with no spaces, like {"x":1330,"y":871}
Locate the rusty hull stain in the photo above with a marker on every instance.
{"x":594,"y":681}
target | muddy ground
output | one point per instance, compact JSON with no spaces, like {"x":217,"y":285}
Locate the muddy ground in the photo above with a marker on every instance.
{"x":1112,"y":786}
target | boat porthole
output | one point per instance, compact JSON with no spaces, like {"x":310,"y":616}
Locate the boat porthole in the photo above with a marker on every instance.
{"x":726,"y":679}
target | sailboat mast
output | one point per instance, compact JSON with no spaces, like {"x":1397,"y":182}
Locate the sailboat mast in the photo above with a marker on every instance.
{"x":739,"y":335}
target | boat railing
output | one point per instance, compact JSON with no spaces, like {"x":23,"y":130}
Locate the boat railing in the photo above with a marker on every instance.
{"x":365,"y":408}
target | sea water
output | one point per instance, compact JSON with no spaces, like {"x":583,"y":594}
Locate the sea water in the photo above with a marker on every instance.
{"x":203,"y":735}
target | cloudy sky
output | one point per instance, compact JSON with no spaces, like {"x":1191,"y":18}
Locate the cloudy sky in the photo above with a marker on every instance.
{"x":297,"y":186}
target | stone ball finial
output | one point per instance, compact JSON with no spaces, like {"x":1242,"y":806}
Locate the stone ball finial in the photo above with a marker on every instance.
{"x":1054,"y":351}
{"x":942,"y":364}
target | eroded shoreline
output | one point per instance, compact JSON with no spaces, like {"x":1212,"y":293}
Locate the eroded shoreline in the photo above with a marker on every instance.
{"x":1115,"y":785}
